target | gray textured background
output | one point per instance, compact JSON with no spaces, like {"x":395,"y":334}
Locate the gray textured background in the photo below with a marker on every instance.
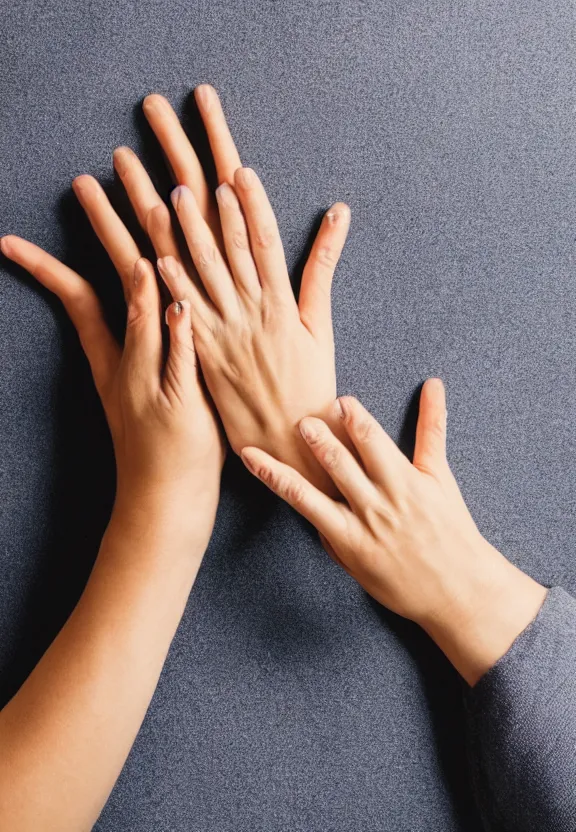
{"x":289,"y":700}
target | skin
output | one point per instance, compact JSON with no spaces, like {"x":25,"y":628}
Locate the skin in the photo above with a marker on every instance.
{"x":404,"y":531}
{"x":67,"y":732}
{"x":405,"y":534}
{"x":267,"y":360}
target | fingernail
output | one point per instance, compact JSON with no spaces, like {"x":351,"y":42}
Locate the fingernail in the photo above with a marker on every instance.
{"x":204,"y":94}
{"x":307,"y":431}
{"x":176,"y":196}
{"x":152,"y":102}
{"x":4,"y":245}
{"x":339,"y":409}
{"x":139,"y":271}
{"x":119,"y":160}
{"x":223,"y":191}
{"x":175,"y":308}
{"x":246,"y":176}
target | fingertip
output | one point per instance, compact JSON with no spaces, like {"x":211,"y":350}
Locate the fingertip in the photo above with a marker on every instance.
{"x":245,"y":177}
{"x":153,"y":102}
{"x":204,"y":94}
{"x":120,"y":157}
{"x":179,"y":193}
{"x":6,"y":245}
{"x":83,"y":182}
{"x":339,"y":213}
{"x":434,"y":389}
{"x":225,"y":194}
{"x":435,"y":382}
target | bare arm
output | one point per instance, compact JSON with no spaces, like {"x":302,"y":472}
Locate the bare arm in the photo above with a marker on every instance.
{"x":66,"y":733}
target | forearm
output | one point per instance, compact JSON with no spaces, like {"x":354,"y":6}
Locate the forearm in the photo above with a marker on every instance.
{"x":67,"y":732}
{"x":521,"y":727}
{"x":486,"y":606}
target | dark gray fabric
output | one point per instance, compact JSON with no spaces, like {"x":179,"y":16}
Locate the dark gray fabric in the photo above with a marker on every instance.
{"x":289,"y":700}
{"x":521,"y":727}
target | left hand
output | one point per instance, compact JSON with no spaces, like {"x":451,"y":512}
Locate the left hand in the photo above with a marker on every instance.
{"x":267,"y":361}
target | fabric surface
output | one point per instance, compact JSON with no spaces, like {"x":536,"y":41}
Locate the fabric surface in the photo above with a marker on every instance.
{"x":289,"y":700}
{"x":521,"y":725}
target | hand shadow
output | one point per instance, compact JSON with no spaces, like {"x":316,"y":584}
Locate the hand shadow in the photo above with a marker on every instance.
{"x":82,"y":480}
{"x":442,"y":684}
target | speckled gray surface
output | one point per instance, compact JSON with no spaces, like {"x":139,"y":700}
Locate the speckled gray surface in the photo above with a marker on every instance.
{"x":289,"y":701}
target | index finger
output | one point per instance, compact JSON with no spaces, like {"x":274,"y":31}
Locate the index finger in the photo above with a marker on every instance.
{"x":328,"y":516}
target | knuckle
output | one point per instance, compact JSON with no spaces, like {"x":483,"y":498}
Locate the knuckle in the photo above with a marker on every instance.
{"x":436,"y":427}
{"x":364,"y":431}
{"x":268,"y":315}
{"x":205,"y":254}
{"x":330,"y":455}
{"x":326,"y":256}
{"x":239,"y":240}
{"x":268,"y":476}
{"x":137,"y":316}
{"x":292,"y":492}
{"x":265,"y":237}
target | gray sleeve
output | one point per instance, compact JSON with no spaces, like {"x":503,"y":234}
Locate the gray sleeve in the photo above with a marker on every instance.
{"x":521,"y":727}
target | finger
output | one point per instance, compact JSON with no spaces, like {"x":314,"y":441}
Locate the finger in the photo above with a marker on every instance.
{"x":205,"y":253}
{"x":151,"y":211}
{"x":142,"y":357}
{"x":80,"y":302}
{"x":322,"y":511}
{"x":181,"y":373}
{"x":226,"y":157}
{"x":109,"y":228}
{"x":383,"y":461}
{"x":179,"y":285}
{"x":430,"y":446}
{"x":314,"y":301}
{"x":338,"y":462}
{"x":265,"y":241}
{"x":180,"y":154}
{"x":236,"y":242}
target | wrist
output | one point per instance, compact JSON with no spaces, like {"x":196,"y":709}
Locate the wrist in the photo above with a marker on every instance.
{"x":481,"y":620}
{"x":181,"y":513}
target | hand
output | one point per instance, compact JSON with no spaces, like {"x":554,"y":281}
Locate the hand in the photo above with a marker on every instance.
{"x":406,"y":535}
{"x":166,"y":440}
{"x":267,"y":361}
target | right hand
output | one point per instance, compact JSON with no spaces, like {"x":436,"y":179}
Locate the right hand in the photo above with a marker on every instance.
{"x":406,"y":534}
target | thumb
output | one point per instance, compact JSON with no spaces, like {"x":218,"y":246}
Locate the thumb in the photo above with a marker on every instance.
{"x":181,"y":371}
{"x":430,"y":446}
{"x":142,"y":357}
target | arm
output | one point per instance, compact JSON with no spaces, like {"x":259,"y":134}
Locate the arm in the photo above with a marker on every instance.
{"x":521,"y":726}
{"x":66,"y":733}
{"x":407,"y":537}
